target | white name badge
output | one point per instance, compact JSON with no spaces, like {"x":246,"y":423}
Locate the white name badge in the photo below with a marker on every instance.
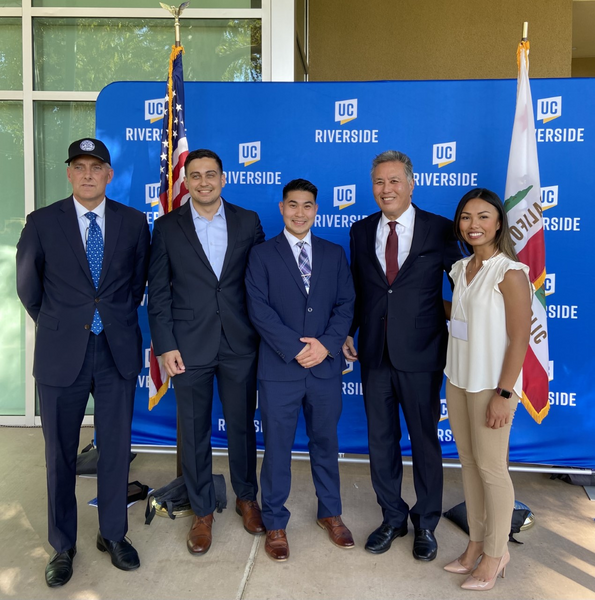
{"x":458,"y":329}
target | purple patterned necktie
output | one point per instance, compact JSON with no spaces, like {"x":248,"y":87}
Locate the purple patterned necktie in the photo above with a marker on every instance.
{"x":304,"y":265}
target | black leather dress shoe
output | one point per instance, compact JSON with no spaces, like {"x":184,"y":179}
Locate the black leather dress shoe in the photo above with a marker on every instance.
{"x":59,"y":570}
{"x":381,"y":538}
{"x":425,"y":546}
{"x":124,"y":556}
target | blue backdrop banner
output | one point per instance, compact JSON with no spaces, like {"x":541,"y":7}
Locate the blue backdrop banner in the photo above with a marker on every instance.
{"x":457,"y":134}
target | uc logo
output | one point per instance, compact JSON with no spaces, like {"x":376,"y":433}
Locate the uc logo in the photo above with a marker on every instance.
{"x":249,"y":153}
{"x":549,"y":109}
{"x":549,"y":197}
{"x":346,"y":110}
{"x":343,"y":196}
{"x":154,"y":109}
{"x":444,"y":154}
{"x":550,"y":284}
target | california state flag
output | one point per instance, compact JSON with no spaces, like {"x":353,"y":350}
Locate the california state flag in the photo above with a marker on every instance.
{"x":523,"y":206}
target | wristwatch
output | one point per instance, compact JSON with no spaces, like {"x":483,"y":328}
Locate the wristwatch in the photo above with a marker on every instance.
{"x":503,"y":393}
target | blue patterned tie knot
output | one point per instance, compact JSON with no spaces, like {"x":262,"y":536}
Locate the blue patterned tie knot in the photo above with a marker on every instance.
{"x":95,"y":259}
{"x":304,"y":265}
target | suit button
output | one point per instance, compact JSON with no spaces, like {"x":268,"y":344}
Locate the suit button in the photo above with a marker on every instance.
{"x":218,"y":289}
{"x":96,"y":300}
{"x":87,"y":326}
{"x":309,"y":309}
{"x":217,"y":312}
{"x":390,"y":291}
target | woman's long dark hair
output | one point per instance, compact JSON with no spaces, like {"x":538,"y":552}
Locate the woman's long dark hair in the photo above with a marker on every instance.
{"x":503,"y":240}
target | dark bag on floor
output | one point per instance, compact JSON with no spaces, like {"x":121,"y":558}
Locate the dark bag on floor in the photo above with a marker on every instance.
{"x":576,"y":478}
{"x":86,"y":461}
{"x":137,"y":491}
{"x":173,"y":497}
{"x":458,"y":515}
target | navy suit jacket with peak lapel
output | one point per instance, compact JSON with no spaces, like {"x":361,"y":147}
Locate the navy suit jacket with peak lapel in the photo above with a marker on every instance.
{"x":415,"y":327}
{"x":55,"y":285}
{"x":188,"y":305}
{"x":283,"y":312}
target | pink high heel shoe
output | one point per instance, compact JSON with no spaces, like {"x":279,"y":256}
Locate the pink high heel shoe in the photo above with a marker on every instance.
{"x":456,"y":567}
{"x":471,"y":583}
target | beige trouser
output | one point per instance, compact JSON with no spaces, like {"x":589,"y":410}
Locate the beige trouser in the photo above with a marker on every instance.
{"x":483,"y":453}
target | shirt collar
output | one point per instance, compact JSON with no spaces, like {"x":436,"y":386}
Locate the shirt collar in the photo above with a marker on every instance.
{"x":220,"y":212}
{"x":81,"y":210}
{"x":293,"y":240}
{"x":406,"y":219}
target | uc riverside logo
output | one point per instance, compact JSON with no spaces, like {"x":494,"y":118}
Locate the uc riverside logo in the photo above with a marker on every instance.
{"x":549,"y":199}
{"x":249,"y":153}
{"x":550,"y":284}
{"x":444,"y":154}
{"x":549,"y":109}
{"x":346,"y":110}
{"x":343,"y":196}
{"x":154,"y":109}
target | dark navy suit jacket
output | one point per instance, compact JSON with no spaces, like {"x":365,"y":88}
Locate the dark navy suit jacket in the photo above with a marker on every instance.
{"x":410,"y":312}
{"x":282,"y":312}
{"x":54,"y":284}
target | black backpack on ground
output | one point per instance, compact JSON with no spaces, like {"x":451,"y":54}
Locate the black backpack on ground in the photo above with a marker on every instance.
{"x":173,"y":497}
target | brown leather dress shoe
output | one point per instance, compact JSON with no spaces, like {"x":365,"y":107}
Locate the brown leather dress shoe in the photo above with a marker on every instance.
{"x":200,"y":536}
{"x":250,"y":513}
{"x":337,"y":532}
{"x":276,"y":545}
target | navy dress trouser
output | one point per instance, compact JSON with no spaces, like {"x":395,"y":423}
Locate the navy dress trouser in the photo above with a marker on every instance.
{"x":236,"y":384}
{"x":280,"y":404}
{"x":62,"y":411}
{"x":418,"y":395}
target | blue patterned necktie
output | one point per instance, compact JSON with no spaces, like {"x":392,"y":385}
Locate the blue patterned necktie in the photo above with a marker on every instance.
{"x":304,"y":265}
{"x":95,"y":258}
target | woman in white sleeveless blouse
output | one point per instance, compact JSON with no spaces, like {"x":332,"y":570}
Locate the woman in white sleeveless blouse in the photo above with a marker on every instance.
{"x":489,"y":333}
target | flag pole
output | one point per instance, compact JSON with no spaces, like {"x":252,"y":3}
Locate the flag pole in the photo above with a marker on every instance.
{"x":176,"y":12}
{"x":525,"y":31}
{"x":176,"y":50}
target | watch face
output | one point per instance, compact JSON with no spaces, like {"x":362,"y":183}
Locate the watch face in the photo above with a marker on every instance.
{"x":504,"y":393}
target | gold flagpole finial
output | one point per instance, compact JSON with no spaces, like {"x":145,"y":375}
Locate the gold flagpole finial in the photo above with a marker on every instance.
{"x":176,"y":12}
{"x":525,"y":31}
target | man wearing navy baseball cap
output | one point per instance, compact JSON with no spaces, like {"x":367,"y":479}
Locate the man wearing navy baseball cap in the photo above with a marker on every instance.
{"x":88,"y":147}
{"x":81,"y":273}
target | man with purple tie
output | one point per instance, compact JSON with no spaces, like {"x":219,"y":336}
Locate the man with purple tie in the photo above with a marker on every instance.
{"x":300,"y":300}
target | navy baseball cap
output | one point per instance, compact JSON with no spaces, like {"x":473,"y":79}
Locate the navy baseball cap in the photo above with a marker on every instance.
{"x":88,"y":147}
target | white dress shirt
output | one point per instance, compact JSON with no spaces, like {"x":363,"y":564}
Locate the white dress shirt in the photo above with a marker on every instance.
{"x":213,"y":236}
{"x":404,"y":229}
{"x":84,"y":223}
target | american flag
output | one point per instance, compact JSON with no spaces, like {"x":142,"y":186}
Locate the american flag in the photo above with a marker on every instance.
{"x":172,"y":192}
